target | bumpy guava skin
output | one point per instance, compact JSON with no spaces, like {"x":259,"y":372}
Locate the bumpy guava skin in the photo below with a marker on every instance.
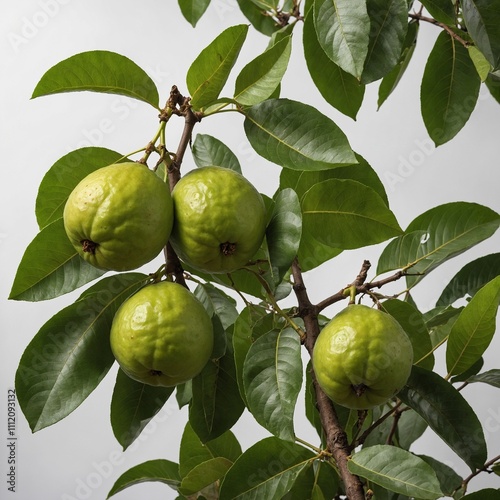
{"x":362,"y":357}
{"x":119,"y":217}
{"x":162,"y":335}
{"x":220,"y":220}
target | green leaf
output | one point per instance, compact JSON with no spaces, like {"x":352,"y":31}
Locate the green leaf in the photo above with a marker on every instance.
{"x":218,"y":303}
{"x":438,"y":235}
{"x":297,"y":136}
{"x":448,"y":414}
{"x":63,"y":177}
{"x":272,"y":378}
{"x":192,"y":10}
{"x":397,"y":470}
{"x":493,"y":84}
{"x":470,"y":279}
{"x":473,"y":331}
{"x":391,"y":80}
{"x":470,"y":372}
{"x":99,"y":71}
{"x":216,"y":404}
{"x":412,"y":322}
{"x":482,"y":18}
{"x":343,"y":29}
{"x":259,"y":20}
{"x":449,"y":480}
{"x":209,"y":72}
{"x":388,"y":27}
{"x":268,"y":469}
{"x":160,"y":470}
{"x":450,"y":88}
{"x":441,"y":10}
{"x":260,"y":77}
{"x":481,"y":64}
{"x":51,"y":267}
{"x":339,"y":88}
{"x":208,"y":150}
{"x":302,"y":181}
{"x":491,"y":377}
{"x":317,"y":481}
{"x":204,"y":475}
{"x":253,"y":322}
{"x":70,"y":355}
{"x":133,"y":405}
{"x":193,"y":452}
{"x":347,"y":214}
{"x":485,"y":494}
{"x":283,"y":233}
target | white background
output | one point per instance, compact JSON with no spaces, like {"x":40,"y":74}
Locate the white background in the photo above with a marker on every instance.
{"x":79,"y":457}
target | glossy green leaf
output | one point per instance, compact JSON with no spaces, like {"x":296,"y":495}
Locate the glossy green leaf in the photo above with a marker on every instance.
{"x":204,"y":475}
{"x":253,"y":322}
{"x":216,"y":404}
{"x":133,"y":405}
{"x":347,"y":214}
{"x":411,"y":426}
{"x":259,"y":20}
{"x":481,"y":64}
{"x":412,"y":322}
{"x":70,"y":355}
{"x":448,"y":414}
{"x":362,"y":172}
{"x":449,"y":480}
{"x":482,"y":18}
{"x":473,"y":331}
{"x":339,"y":88}
{"x":218,"y":303}
{"x":317,"y":481}
{"x":485,"y":494}
{"x":441,"y":10}
{"x":51,"y":267}
{"x":99,"y":71}
{"x":272,"y":378}
{"x":192,"y":10}
{"x":450,"y":88}
{"x":491,"y":377}
{"x":343,"y":29}
{"x":474,"y":369}
{"x":397,"y":470}
{"x":388,"y":27}
{"x":268,"y":469}
{"x":260,"y":77}
{"x":391,"y":80}
{"x":209,"y":72}
{"x":297,"y":136}
{"x":493,"y":84}
{"x":63,"y":177}
{"x":163,"y":471}
{"x":193,"y":452}
{"x":283,"y":233}
{"x":470,"y":279}
{"x":208,"y":151}
{"x":437,"y":235}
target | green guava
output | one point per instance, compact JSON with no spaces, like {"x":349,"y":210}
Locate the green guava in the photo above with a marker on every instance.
{"x":119,"y":217}
{"x":362,"y":357}
{"x":219,"y":220}
{"x":162,"y":335}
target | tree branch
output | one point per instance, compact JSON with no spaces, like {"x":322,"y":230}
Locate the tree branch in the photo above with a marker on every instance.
{"x":419,"y":17}
{"x":336,"y":438}
{"x":180,"y":105}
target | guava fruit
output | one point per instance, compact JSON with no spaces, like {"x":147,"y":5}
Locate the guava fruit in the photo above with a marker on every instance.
{"x":219,"y":219}
{"x":362,"y":357}
{"x":162,"y":335}
{"x":119,"y":217}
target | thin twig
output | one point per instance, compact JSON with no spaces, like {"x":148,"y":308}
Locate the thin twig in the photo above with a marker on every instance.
{"x":419,"y":17}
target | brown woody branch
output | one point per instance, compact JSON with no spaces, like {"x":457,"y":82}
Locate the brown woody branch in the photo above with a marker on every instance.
{"x":179,"y":105}
{"x":419,"y":17}
{"x":336,"y":438}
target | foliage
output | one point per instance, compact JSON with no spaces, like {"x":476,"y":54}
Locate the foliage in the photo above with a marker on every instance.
{"x":329,"y":200}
